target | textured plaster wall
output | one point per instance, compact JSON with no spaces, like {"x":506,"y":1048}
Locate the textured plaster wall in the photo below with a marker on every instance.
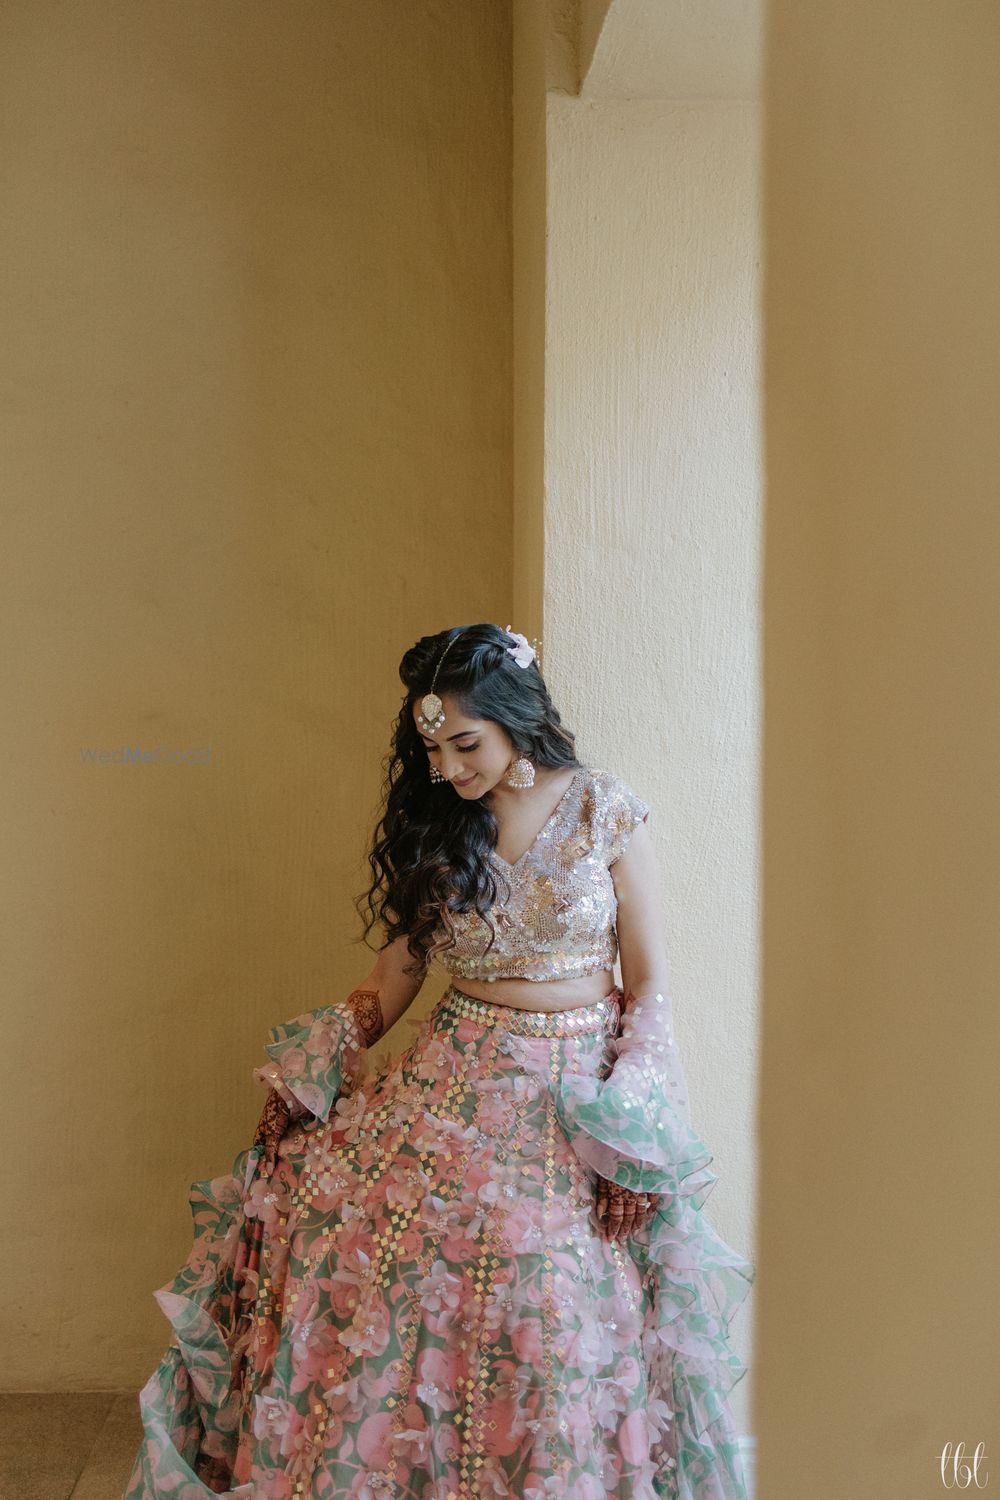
{"x":529,"y":231}
{"x":257,"y":439}
{"x":652,"y":548}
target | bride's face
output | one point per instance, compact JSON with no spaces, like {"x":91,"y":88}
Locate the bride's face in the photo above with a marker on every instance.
{"x":473,"y":754}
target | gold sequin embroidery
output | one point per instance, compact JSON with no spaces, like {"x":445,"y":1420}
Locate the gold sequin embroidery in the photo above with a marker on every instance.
{"x":559,"y":921}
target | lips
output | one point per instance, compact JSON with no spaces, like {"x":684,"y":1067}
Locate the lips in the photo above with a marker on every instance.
{"x":466,"y":782}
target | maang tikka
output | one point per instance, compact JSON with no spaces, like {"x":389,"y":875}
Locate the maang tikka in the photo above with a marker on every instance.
{"x":431,"y":715}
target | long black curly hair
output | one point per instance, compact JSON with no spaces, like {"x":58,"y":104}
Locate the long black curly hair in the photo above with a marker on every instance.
{"x":429,"y":851}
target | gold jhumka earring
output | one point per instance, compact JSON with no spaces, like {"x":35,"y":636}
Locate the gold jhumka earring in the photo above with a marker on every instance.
{"x":520,"y":772}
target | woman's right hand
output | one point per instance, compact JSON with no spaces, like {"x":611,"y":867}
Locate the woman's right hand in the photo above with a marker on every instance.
{"x":620,"y":1212}
{"x":270,"y":1129}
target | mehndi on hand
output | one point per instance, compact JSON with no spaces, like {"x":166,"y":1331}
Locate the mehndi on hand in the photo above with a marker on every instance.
{"x":620,"y":1212}
{"x":270,"y":1129}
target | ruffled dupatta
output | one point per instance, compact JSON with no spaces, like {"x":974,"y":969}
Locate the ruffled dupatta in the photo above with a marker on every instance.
{"x":629,"y":1125}
{"x":192,"y":1404}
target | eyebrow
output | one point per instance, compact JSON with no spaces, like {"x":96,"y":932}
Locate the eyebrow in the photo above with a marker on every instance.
{"x":459,"y":736}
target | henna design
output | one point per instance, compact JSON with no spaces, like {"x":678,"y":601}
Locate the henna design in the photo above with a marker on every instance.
{"x":621,"y":1211}
{"x":367,"y":1010}
{"x":271,"y":1127}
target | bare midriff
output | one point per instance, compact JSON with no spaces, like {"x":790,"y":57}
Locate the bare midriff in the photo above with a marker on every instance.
{"x":544,"y":994}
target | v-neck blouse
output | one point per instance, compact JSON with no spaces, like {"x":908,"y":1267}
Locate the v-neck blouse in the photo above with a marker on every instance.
{"x":522,"y":857}
{"x":559,"y":921}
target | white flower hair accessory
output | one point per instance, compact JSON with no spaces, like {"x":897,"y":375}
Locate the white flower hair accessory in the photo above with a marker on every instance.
{"x":524,"y":652}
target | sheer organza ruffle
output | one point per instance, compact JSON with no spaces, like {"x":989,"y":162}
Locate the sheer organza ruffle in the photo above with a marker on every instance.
{"x":190,"y":1404}
{"x":624,"y":1127}
{"x":314,"y":1057}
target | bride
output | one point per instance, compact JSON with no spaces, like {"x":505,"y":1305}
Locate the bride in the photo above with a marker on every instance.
{"x":481,"y":1268}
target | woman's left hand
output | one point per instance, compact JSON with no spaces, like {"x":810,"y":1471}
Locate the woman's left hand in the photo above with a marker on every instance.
{"x":620,"y":1212}
{"x":272,"y":1126}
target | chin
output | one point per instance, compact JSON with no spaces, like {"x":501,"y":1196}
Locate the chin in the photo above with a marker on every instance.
{"x":478,"y":787}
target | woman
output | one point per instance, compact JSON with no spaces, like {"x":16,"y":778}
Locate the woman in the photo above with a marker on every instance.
{"x":481,"y":1268}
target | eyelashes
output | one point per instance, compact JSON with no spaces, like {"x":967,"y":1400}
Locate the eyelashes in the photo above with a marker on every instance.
{"x":463,"y":749}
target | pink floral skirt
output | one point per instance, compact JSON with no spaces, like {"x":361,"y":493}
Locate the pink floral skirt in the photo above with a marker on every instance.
{"x":418,"y":1302}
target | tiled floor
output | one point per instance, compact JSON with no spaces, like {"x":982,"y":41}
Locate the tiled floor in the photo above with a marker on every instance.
{"x":67,"y":1447}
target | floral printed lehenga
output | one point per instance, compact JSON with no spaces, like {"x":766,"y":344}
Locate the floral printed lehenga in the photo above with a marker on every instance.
{"x":418,"y":1302}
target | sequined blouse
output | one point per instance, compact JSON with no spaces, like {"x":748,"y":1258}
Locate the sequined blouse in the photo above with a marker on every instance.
{"x":559,"y":922}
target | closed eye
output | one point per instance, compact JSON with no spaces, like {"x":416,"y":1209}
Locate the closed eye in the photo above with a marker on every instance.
{"x":464,"y":749}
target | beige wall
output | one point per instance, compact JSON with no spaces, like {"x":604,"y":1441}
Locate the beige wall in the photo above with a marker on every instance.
{"x":878,"y":1314}
{"x":652,"y":550}
{"x":652,"y":484}
{"x":528,"y":205}
{"x":257,"y":363}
